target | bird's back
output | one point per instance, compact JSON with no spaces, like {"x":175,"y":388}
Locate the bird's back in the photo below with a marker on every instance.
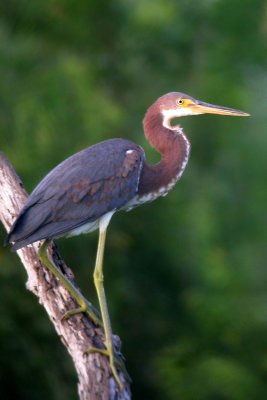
{"x":84,"y":187}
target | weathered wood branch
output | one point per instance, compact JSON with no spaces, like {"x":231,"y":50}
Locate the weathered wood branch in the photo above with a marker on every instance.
{"x":78,"y":333}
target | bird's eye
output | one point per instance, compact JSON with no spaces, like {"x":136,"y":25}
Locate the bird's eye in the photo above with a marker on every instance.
{"x":179,"y":102}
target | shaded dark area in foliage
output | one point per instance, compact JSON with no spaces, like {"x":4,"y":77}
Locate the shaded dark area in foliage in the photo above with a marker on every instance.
{"x":185,"y":276}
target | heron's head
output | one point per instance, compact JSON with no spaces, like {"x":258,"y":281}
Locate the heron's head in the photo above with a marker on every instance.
{"x":175,"y":104}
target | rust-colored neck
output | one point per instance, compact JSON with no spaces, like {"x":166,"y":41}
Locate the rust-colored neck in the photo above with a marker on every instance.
{"x":174,"y":149}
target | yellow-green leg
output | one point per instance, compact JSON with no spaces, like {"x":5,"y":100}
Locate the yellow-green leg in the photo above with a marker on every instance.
{"x":85,"y":305}
{"x":98,"y":280}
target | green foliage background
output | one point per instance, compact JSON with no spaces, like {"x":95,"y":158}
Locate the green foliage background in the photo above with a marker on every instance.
{"x":186,"y":276}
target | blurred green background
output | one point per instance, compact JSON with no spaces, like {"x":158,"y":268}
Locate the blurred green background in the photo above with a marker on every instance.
{"x":186,"y":276}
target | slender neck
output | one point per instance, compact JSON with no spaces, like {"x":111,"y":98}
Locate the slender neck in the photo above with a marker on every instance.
{"x":158,"y":136}
{"x":174,"y":148}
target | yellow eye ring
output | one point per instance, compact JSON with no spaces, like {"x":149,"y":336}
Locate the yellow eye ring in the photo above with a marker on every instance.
{"x":179,"y":102}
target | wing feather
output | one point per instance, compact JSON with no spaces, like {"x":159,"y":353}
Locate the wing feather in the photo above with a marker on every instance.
{"x":81,"y":189}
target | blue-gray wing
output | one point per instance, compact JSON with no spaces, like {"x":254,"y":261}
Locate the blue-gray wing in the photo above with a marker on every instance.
{"x":81,"y":189}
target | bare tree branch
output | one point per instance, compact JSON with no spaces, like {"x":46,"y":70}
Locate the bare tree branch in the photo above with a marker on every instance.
{"x":78,"y":333}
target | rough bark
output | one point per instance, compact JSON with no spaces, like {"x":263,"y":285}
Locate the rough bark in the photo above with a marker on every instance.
{"x":78,"y":333}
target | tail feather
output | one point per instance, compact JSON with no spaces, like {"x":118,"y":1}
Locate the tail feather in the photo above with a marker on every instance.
{"x":27,"y":223}
{"x":52,"y":229}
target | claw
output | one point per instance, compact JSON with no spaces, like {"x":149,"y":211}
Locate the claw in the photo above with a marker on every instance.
{"x":85,"y":307}
{"x":112,"y":361}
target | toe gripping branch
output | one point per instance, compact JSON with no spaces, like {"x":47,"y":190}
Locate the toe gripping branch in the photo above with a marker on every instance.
{"x":115,"y":358}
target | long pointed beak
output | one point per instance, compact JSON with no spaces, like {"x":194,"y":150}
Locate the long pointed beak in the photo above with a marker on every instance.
{"x":200,"y":107}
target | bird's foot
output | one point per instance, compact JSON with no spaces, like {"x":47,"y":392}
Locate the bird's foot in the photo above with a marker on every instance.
{"x":114,"y":360}
{"x":85,"y":307}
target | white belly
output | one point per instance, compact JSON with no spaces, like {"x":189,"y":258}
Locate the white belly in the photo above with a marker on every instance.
{"x":100,"y":223}
{"x":86,"y":228}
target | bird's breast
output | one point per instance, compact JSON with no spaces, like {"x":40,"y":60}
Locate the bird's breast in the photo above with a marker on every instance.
{"x":158,"y":179}
{"x":151,"y":196}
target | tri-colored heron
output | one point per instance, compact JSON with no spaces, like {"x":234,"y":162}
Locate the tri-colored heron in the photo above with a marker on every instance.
{"x":83,"y":192}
